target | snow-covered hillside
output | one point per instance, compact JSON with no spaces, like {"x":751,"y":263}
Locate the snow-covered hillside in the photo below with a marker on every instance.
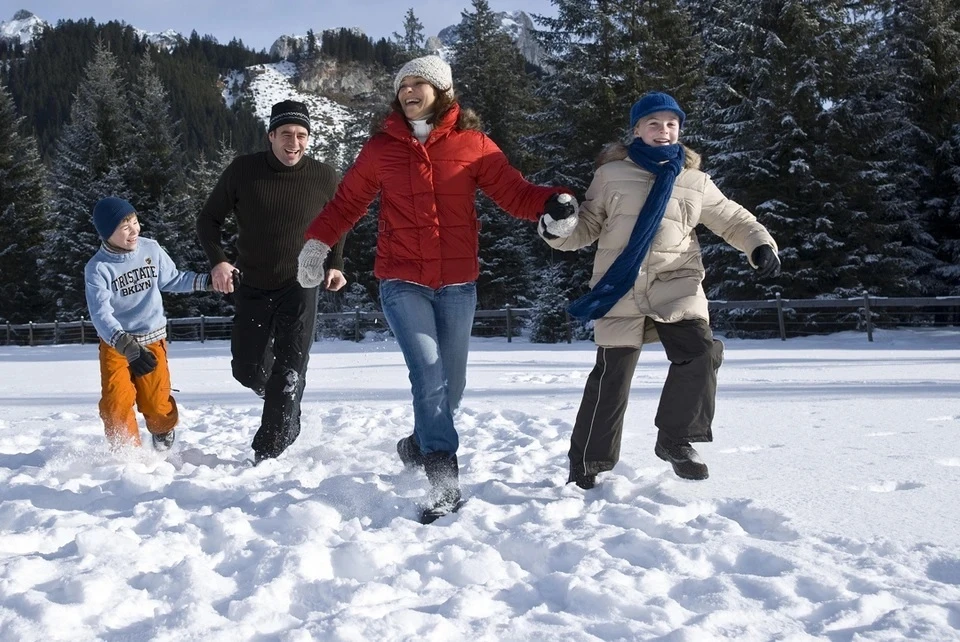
{"x":267,"y":84}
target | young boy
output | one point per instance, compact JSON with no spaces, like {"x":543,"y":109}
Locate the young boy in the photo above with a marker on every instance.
{"x":123,"y":284}
{"x":642,"y":207}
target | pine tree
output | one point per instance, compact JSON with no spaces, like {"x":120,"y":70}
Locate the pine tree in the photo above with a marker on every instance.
{"x":883,"y":240}
{"x":93,"y":161}
{"x":774,"y":126}
{"x":548,"y":323}
{"x":409,"y":44}
{"x":605,"y":54}
{"x":360,"y":247}
{"x":602,"y":56}
{"x":200,"y":180}
{"x":156,"y":181}
{"x":924,"y":45}
{"x":491,"y":79}
{"x":23,"y":211}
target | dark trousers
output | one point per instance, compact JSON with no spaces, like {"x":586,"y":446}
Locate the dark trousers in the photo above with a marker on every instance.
{"x":271,"y":338}
{"x":687,"y":401}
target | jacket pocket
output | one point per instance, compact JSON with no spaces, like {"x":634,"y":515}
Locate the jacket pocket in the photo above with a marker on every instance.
{"x":687,"y":273}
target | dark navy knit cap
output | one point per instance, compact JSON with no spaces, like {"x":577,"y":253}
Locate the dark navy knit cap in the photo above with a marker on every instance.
{"x":107,"y":214}
{"x":653,"y":102}
{"x":288,"y":112}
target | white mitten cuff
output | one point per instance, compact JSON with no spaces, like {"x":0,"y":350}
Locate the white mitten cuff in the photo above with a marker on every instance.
{"x":560,"y":229}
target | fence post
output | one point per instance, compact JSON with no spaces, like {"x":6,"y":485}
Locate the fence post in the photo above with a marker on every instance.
{"x":56,"y":331}
{"x":8,"y":333}
{"x":169,"y":333}
{"x":509,"y":325}
{"x":569,"y":329}
{"x":356,"y":324}
{"x":783,"y":327}
{"x":866,"y":308}
{"x":203,"y":334}
{"x":82,"y":335}
{"x":31,"y":334}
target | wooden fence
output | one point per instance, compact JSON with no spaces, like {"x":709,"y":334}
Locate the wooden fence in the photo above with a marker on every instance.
{"x":935,"y":311}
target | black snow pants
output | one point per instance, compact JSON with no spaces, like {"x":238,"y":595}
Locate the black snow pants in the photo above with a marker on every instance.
{"x":687,"y":401}
{"x":271,"y":338}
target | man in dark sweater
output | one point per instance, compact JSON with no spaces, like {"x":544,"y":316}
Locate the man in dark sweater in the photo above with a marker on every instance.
{"x":274,"y":195}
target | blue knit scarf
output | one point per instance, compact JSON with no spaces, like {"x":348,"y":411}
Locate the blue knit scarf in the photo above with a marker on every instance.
{"x":664,"y":162}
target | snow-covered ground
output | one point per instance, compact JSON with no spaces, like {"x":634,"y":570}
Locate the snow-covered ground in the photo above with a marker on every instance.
{"x":831,"y":512}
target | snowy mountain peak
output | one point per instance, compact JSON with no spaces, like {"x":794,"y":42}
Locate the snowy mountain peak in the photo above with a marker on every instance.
{"x":24,"y":26}
{"x":516,"y":24}
{"x":162,"y":40}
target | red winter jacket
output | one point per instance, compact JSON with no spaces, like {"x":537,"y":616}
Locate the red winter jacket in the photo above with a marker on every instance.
{"x":428,"y":229}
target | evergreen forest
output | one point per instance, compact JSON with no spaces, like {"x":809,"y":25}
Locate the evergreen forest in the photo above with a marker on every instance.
{"x":836,"y":123}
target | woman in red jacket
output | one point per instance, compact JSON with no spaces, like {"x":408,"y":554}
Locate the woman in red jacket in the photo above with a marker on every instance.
{"x":427,"y":162}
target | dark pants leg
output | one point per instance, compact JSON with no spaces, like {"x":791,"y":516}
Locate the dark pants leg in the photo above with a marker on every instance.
{"x":275,"y":329}
{"x":595,"y":443}
{"x":688,"y":400}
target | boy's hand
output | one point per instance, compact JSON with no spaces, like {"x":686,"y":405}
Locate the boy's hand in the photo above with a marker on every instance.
{"x":140,"y":360}
{"x":310,"y":263}
{"x":766,"y":260}
{"x":559,"y":217}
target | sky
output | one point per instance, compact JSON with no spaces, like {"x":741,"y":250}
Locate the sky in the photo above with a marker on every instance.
{"x":830,"y":512}
{"x":260,"y":23}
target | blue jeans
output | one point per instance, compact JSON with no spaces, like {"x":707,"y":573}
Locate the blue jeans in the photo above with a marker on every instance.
{"x":432,"y":328}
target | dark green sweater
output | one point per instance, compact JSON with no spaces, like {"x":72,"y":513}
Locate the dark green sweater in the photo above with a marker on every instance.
{"x":274,"y":204}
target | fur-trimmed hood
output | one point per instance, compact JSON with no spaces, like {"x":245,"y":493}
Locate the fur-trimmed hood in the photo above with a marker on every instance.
{"x":466,"y":119}
{"x":618,"y":151}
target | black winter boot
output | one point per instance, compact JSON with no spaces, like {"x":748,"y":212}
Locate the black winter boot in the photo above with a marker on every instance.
{"x":579,"y":477}
{"x":685,"y":460}
{"x":443,"y":472}
{"x":409,"y":452}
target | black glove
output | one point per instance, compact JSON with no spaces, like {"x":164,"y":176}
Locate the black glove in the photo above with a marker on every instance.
{"x":560,"y":206}
{"x":140,"y":359}
{"x":766,"y":260}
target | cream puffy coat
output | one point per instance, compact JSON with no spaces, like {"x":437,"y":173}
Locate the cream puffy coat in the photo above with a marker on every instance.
{"x":669,"y":285}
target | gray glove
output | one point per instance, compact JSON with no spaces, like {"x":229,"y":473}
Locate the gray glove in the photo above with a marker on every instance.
{"x":140,"y":359}
{"x":559,"y":218}
{"x":310,"y":263}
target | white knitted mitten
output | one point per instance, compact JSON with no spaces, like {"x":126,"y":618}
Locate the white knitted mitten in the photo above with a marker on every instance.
{"x":310,"y":263}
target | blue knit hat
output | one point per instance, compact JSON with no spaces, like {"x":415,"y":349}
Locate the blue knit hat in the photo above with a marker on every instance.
{"x":653,"y":102}
{"x":107,"y":214}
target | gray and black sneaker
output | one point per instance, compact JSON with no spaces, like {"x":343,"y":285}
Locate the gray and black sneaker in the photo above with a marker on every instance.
{"x":685,"y":460}
{"x":165,"y":441}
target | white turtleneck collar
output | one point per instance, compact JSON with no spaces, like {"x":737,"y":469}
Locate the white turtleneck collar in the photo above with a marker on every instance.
{"x":421,"y":129}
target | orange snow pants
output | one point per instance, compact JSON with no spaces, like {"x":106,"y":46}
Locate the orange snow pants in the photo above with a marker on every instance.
{"x":119,"y":390}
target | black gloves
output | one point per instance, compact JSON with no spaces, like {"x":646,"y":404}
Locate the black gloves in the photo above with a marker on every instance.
{"x":141,"y":360}
{"x":766,"y":260}
{"x":560,"y":206}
